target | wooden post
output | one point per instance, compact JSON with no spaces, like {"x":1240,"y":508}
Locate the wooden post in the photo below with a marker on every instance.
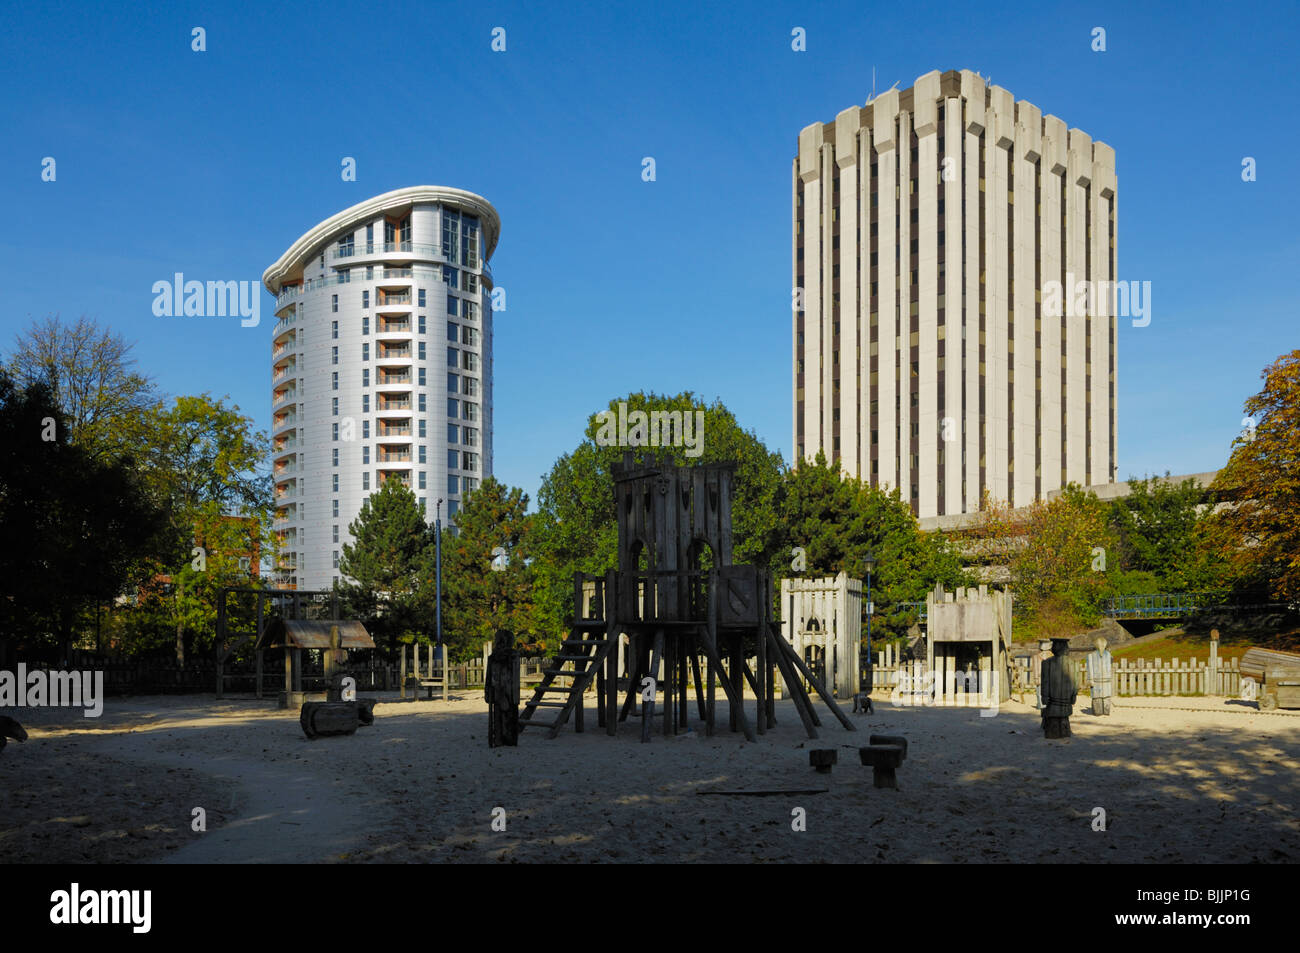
{"x":258,"y":654}
{"x":445,"y":694}
{"x":288,"y":673}
{"x":1212,"y":676}
{"x":221,"y":640}
{"x":401,"y":685}
{"x":612,"y":660}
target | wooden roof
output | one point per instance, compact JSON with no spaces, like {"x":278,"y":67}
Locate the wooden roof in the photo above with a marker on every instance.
{"x":316,"y":634}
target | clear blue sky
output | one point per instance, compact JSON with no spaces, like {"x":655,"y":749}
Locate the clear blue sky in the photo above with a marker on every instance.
{"x":212,"y":163}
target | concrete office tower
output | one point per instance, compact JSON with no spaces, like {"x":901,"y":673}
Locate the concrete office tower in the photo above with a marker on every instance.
{"x":381,"y":366}
{"x":927,"y":225}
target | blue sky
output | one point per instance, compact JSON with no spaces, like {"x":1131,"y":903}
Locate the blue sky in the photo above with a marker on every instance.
{"x":213,"y":163}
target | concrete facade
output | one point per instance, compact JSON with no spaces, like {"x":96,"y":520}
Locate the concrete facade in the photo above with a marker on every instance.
{"x":916,"y":364}
{"x":381,"y":367}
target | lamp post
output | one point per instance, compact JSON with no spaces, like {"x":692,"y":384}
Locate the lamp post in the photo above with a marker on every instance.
{"x":437,"y":561}
{"x":870,"y":562}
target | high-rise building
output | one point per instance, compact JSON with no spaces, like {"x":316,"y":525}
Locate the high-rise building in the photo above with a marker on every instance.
{"x":937,"y":231}
{"x":381,"y":366}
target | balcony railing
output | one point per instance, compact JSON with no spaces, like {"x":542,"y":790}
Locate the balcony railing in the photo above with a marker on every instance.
{"x":390,"y":379}
{"x":393,"y":431}
{"x":289,"y":420}
{"x":393,"y":405}
{"x":393,"y":327}
{"x":394,"y":457}
{"x":289,"y":293}
{"x":386,"y":248}
{"x":391,"y":300}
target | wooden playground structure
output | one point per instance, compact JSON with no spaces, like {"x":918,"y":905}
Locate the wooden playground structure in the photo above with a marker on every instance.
{"x":681,"y":604}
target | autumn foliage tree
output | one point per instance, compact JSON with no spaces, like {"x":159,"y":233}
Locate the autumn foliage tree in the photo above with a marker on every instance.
{"x":1258,"y":535}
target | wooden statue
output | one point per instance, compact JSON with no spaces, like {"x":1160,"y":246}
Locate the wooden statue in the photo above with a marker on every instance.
{"x":1101,"y":677}
{"x":1058,"y":691}
{"x":1036,"y":664}
{"x":501,"y":690}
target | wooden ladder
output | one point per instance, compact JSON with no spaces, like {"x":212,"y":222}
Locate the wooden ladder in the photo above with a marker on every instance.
{"x":586,"y":655}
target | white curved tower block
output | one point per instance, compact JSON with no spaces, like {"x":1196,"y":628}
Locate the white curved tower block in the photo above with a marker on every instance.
{"x":822,"y":619}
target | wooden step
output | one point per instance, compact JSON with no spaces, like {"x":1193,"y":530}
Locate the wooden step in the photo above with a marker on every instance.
{"x":570,"y":657}
{"x":584,"y":641}
{"x":537,"y":724}
{"x":546,"y":704}
{"x":589,"y":624}
{"x":555,"y":688}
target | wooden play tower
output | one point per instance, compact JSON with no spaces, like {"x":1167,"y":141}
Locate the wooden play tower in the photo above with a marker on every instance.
{"x":682,"y":606}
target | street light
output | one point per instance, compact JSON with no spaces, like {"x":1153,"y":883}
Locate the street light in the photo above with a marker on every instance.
{"x":437,"y":556}
{"x":870,"y":561}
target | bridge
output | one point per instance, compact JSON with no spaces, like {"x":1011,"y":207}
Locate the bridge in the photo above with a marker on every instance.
{"x":1161,"y":605}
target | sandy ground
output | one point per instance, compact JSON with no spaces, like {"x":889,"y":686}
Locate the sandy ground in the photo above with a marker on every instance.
{"x":1182,"y":780}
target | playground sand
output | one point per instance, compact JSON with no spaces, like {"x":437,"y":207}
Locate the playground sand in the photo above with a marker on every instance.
{"x":1181,"y":780}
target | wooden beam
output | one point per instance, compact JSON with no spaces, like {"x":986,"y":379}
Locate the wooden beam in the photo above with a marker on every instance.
{"x":802,"y":703}
{"x":816,"y":684}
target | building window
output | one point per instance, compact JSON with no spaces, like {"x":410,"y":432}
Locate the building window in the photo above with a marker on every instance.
{"x":453,"y":383}
{"x":421,"y":504}
{"x":421,"y":454}
{"x":336,"y":532}
{"x":469,"y":360}
{"x":420,"y":430}
{"x":365,"y":299}
{"x":336,"y":431}
{"x":365,"y":324}
{"x":471,"y":283}
{"x":470,"y":387}
{"x":336,"y":559}
{"x":468,"y":484}
{"x":334,"y":380}
{"x":452,"y":359}
{"x":469,"y":461}
{"x":450,"y":234}
{"x":365,"y":480}
{"x":365,"y":377}
{"x":453,"y":305}
{"x":453,"y":332}
{"x":365,"y":352}
{"x":449,"y":276}
{"x":370,"y":239}
{"x":419,"y":350}
{"x":469,"y":436}
{"x":420,"y":403}
{"x":370,"y":272}
{"x":334,"y":306}
{"x":453,"y":433}
{"x":336,"y":507}
{"x":365,"y":430}
{"x":345,"y":276}
{"x":336,"y":485}
{"x":365,"y":403}
{"x":421,"y":484}
{"x":453,"y":408}
{"x":469,"y":246}
{"x":334,"y":409}
{"x":365,"y":453}
{"x":420,"y":298}
{"x":453,"y":507}
{"x":336,"y":462}
{"x":422,"y":325}
{"x":453,"y":483}
{"x":420,"y":381}
{"x":469,"y":336}
{"x":346,"y":248}
{"x":334,"y":355}
{"x":470,"y":311}
{"x":453,"y":459}
{"x":471,"y":410}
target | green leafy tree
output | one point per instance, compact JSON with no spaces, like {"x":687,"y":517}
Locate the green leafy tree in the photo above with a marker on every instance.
{"x":576,"y":529}
{"x":383,"y":566}
{"x":837,"y":520}
{"x":1157,"y":528}
{"x":487,"y":574}
{"x":1255,"y":539}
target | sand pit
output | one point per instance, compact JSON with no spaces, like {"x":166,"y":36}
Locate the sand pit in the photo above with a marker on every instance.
{"x":1182,"y":780}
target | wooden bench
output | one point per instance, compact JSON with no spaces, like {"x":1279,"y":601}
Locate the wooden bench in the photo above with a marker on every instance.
{"x":1278,"y":676}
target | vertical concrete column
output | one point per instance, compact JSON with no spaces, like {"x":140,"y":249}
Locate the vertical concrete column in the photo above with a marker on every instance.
{"x":973,"y":96}
{"x":1026,"y":154}
{"x":865,"y":245}
{"x":847,"y":124}
{"x":795,"y":305}
{"x":951,"y":290}
{"x":1103,"y":191}
{"x":810,"y":143}
{"x":829,"y":367}
{"x":1077,"y":305}
{"x":925,"y":99}
{"x":997,"y":143}
{"x":1052,"y":269}
{"x":884,"y":118}
{"x":906,"y":443}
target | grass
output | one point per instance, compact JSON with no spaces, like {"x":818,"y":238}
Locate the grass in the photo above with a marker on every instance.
{"x":1176,"y":644}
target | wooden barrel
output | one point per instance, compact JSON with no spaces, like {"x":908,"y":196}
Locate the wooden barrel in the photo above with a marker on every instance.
{"x":319,"y":719}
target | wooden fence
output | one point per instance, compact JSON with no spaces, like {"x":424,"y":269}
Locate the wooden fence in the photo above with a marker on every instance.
{"x":909,"y":682}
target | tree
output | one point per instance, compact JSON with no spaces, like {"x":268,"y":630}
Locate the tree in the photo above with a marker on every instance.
{"x":383,"y":566}
{"x":576,"y":529}
{"x":486,"y":570}
{"x":1258,"y":535}
{"x":90,"y":372}
{"x":76,"y":528}
{"x":836,"y":520}
{"x":1157,"y":527}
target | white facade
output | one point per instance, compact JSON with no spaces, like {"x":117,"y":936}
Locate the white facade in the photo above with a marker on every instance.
{"x":916,"y":220}
{"x":381,"y":366}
